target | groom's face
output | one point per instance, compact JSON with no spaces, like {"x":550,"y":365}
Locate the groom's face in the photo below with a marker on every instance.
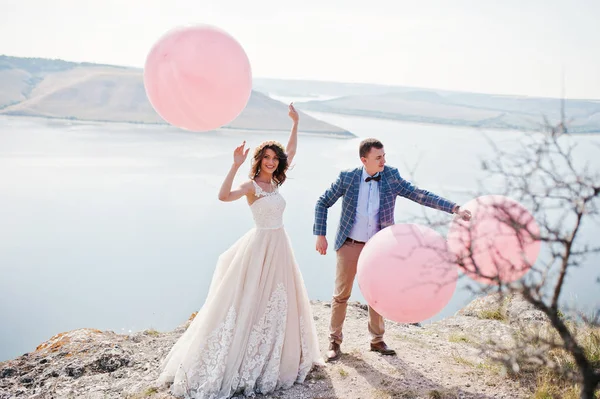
{"x":374,"y":161}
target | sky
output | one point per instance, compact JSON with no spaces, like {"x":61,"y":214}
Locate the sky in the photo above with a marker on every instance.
{"x":520,"y":47}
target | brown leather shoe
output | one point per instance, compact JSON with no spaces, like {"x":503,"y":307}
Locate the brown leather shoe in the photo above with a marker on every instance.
{"x":334,"y":352}
{"x":382,"y":348}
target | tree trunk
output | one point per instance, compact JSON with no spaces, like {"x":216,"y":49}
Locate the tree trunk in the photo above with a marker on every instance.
{"x":590,"y":384}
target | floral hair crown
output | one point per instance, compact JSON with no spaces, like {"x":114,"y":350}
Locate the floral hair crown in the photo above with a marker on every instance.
{"x":266,"y":144}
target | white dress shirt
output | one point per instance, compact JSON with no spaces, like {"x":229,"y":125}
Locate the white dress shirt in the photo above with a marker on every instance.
{"x":367,"y":210}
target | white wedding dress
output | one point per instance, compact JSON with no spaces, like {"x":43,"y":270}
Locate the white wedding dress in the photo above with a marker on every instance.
{"x":255,"y":332}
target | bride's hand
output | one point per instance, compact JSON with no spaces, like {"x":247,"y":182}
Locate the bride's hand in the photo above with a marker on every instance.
{"x":239,"y":155}
{"x":293,"y":113}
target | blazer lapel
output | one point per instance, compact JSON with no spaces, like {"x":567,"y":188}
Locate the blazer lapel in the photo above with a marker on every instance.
{"x":385,"y":184}
{"x":355,"y":187}
{"x":384,"y":196}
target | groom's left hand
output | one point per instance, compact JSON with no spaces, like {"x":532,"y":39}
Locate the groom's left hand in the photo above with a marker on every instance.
{"x":464,"y":214}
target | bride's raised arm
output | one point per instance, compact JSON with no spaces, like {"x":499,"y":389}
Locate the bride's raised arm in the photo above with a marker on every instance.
{"x":293,"y":141}
{"x":226,"y":194}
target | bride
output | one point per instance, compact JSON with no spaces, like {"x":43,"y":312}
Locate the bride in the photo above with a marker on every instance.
{"x":255,"y":332}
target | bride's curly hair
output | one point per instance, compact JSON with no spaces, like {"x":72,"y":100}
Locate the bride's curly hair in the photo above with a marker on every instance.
{"x":259,"y":153}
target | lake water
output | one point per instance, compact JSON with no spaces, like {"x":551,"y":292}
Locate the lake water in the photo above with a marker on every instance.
{"x":118,"y":227}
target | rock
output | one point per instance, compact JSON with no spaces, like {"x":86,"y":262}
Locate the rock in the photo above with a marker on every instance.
{"x":26,"y":380}
{"x":512,"y":308}
{"x":74,"y":370}
{"x":88,"y":363}
{"x":520,"y":310}
{"x":479,"y":306}
{"x":109,"y":362}
{"x":7,"y":372}
{"x":359,"y":305}
{"x":137,"y":338}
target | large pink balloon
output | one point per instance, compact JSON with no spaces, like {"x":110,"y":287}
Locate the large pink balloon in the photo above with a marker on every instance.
{"x":499,"y":243}
{"x":406,"y":274}
{"x":198,"y":78}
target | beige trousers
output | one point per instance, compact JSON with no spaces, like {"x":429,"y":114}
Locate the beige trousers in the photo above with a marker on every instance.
{"x":347,"y":259}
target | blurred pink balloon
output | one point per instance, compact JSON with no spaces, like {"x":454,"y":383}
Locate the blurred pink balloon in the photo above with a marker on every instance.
{"x":500,"y":238}
{"x":406,"y":274}
{"x":198,"y":78}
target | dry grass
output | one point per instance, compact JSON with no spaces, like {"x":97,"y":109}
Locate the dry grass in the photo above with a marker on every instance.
{"x":555,"y":380}
{"x":591,"y":346}
{"x":343,"y":373}
{"x":491,"y":367}
{"x":461,"y":360}
{"x":412,"y":339}
{"x":148,"y":393}
{"x":459,"y":338}
{"x":393,"y":393}
{"x":443,"y":394}
{"x":549,"y":386}
{"x":492,"y":314}
{"x":152,"y":332}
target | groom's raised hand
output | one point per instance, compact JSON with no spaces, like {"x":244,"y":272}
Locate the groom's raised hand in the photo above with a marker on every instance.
{"x":321,"y":245}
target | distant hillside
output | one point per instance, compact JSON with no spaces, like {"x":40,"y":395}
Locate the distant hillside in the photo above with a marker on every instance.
{"x":436,"y":106}
{"x":83,"y":91}
{"x":316,"y":88}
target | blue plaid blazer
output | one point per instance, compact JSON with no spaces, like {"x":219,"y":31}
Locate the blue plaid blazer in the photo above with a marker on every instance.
{"x":391,"y":185}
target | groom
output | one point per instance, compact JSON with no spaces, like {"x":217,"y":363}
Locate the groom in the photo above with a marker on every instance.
{"x":369,"y":195}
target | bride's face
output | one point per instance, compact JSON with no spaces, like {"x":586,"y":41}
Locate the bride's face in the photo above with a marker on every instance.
{"x":269,"y":161}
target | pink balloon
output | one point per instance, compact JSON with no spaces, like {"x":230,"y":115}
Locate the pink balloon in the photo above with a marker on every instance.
{"x":406,"y":274}
{"x":198,"y":78}
{"x":501,"y":236}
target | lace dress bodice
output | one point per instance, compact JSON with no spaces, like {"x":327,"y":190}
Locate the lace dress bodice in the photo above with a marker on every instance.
{"x":267,"y":209}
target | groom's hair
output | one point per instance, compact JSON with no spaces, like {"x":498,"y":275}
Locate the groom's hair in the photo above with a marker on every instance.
{"x":367,"y":144}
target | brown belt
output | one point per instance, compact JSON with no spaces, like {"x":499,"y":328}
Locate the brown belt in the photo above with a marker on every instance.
{"x":354,"y":241}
